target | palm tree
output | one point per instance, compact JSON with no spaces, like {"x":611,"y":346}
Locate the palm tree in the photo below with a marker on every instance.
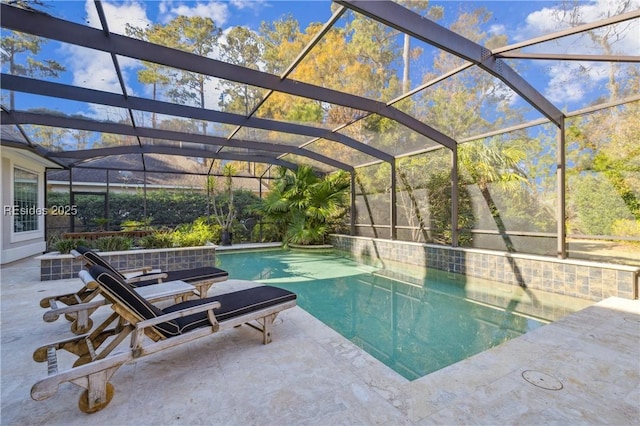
{"x":492,"y":163}
{"x":305,"y":207}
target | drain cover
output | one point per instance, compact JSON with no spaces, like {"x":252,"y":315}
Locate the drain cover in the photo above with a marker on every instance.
{"x":542,"y":380}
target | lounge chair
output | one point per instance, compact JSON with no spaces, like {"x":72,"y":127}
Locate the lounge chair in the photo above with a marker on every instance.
{"x":80,"y":313}
{"x":152,"y":330}
{"x":202,"y":278}
{"x":77,"y":307}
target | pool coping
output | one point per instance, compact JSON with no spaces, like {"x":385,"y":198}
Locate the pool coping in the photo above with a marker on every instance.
{"x":311,"y":375}
{"x":574,"y":277}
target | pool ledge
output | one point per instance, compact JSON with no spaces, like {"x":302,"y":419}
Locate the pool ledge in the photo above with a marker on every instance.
{"x":577,"y":278}
{"x":310,"y":374}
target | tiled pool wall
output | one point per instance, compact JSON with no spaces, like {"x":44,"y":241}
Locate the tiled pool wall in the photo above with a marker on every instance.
{"x":56,"y":267}
{"x":576,"y":278}
{"x":490,"y":292}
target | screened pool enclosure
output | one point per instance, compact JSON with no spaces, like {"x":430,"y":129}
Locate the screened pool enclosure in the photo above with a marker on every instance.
{"x":458,"y":126}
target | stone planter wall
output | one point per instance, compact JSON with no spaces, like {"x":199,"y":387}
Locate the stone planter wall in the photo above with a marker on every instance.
{"x":62,"y":266}
{"x":577,"y":278}
{"x":92,"y":236}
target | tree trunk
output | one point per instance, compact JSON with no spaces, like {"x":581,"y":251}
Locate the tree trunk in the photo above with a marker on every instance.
{"x":226,"y":238}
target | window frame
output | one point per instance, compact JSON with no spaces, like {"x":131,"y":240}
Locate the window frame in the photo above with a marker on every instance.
{"x":17,"y":236}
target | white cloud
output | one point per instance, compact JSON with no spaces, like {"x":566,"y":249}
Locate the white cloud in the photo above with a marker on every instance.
{"x":497,"y":29}
{"x":538,"y":23}
{"x":549,"y":20}
{"x":118,"y":15}
{"x":95,"y":69}
{"x":509,"y":96}
{"x":572,"y":81}
{"x":248,"y":4}
{"x":216,"y":10}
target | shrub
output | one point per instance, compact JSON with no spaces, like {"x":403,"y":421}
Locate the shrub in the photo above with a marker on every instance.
{"x":160,"y":239}
{"x":198,"y":233}
{"x":133,"y":225}
{"x":167,"y":207}
{"x":627,"y":228}
{"x":64,"y":246}
{"x":270,"y":233}
{"x":115,"y":243}
{"x":597,"y":205}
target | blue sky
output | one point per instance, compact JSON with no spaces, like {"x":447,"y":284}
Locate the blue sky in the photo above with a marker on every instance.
{"x":520,"y":20}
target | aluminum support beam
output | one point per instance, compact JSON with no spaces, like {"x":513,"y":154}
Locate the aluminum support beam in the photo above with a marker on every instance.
{"x":144,"y":207}
{"x":571,"y":31}
{"x":394,"y":202}
{"x":72,"y":221}
{"x":114,"y":58}
{"x":93,"y":153}
{"x":569,"y":57}
{"x":63,"y":91}
{"x":431,"y":82}
{"x":316,"y":39}
{"x":145,"y":132}
{"x":105,"y":27}
{"x":165,"y":150}
{"x":43,"y":25}
{"x":353,"y":211}
{"x":599,"y":107}
{"x":38,"y":150}
{"x":406,"y":21}
{"x":455,"y":197}
{"x":561,"y":175}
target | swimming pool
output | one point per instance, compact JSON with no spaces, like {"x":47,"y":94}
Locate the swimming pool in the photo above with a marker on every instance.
{"x":413,"y":320}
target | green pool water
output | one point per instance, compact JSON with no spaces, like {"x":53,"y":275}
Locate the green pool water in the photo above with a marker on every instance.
{"x":415,"y":321}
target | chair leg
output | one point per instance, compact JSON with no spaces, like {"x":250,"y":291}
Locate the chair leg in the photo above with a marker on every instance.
{"x":203,"y":288}
{"x":79,"y":345}
{"x":98,"y":394}
{"x":264,"y":326}
{"x":82,"y":323}
{"x":267,"y":324}
{"x":94,"y":378}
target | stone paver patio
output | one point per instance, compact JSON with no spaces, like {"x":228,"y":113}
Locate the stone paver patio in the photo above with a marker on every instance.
{"x":312,"y":375}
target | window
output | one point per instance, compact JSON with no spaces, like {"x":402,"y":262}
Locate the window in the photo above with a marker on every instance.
{"x":25,"y":201}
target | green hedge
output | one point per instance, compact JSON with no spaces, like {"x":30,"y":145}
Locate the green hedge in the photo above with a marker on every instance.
{"x":201,"y":232}
{"x":164,"y":208}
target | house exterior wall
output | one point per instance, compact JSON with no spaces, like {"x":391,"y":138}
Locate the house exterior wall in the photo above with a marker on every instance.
{"x":18,"y":245}
{"x":58,"y":186}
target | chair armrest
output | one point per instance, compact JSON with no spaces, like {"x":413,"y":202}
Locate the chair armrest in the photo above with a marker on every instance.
{"x":87,"y":280}
{"x":156,"y":276}
{"x":140,"y":270}
{"x":210,"y":306}
{"x":133,"y":273}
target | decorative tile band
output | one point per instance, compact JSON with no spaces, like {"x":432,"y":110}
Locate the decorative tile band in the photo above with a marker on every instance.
{"x":577,"y":278}
{"x":57,"y":267}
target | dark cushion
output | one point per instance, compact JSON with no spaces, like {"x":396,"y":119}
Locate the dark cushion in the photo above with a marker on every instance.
{"x":188,"y":275}
{"x":96,"y":259}
{"x":124,"y":294}
{"x":232,"y":305}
